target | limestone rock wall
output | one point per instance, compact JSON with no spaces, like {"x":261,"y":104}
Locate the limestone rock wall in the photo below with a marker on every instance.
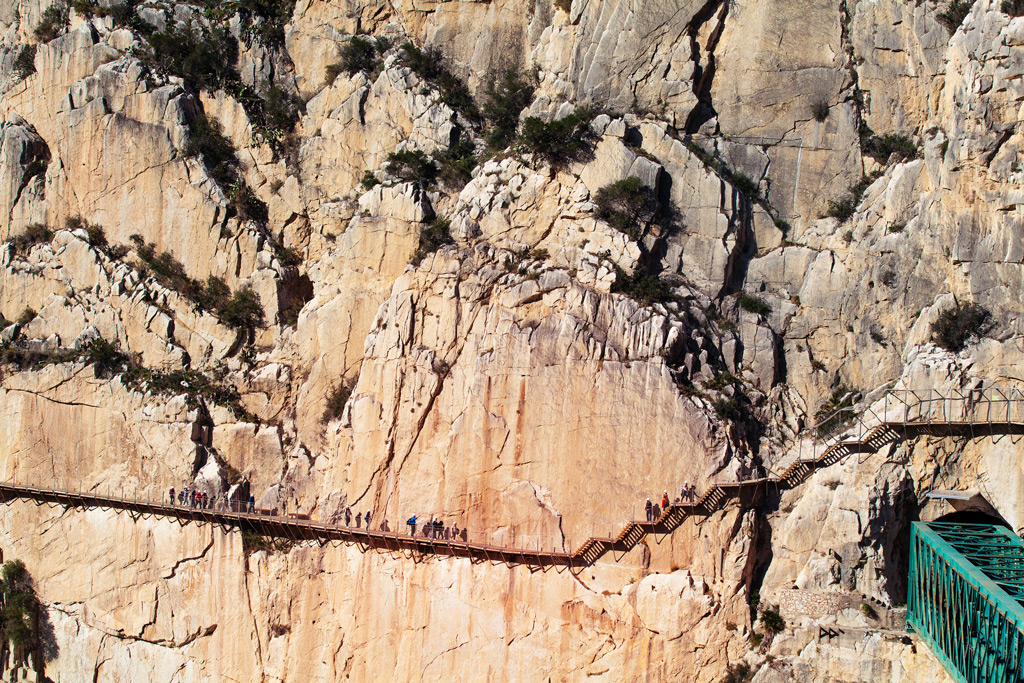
{"x":529,"y":378}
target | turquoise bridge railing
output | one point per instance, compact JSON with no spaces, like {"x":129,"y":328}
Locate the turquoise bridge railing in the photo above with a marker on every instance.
{"x":965,"y":598}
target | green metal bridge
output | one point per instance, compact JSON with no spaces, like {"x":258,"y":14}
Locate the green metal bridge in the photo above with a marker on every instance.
{"x":965,"y":598}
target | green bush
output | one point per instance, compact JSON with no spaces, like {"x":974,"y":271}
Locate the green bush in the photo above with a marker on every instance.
{"x":34,"y":234}
{"x":642,"y":286}
{"x":868,"y":611}
{"x":214,"y":296}
{"x":273,"y":15}
{"x":107,"y":357}
{"x":955,"y":326}
{"x":954,"y":14}
{"x":19,"y":606}
{"x":432,"y":238}
{"x":738,"y":673}
{"x":206,"y":139}
{"x":455,"y":165}
{"x":560,"y":142}
{"x":754,"y":304}
{"x":359,"y":54}
{"x":627,"y":205}
{"x":431,"y":66}
{"x":26,"y":316}
{"x":846,"y":206}
{"x":772,"y":621}
{"x":53,"y":23}
{"x":745,"y":185}
{"x":411,"y":165}
{"x":281,"y":110}
{"x":244,"y":310}
{"x":728,"y":408}
{"x":369,"y":180}
{"x":885,"y":148}
{"x":336,"y":400}
{"x":819,"y":110}
{"x":25,"y":62}
{"x":505,"y":97}
{"x":204,"y":58}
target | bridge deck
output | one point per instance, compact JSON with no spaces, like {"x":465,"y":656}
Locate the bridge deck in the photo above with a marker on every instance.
{"x":295,"y":528}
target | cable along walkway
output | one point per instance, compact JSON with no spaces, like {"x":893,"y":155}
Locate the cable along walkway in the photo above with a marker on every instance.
{"x":905,"y":414}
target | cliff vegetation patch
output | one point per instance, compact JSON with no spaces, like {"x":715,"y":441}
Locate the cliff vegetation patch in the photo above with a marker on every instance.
{"x":35,"y":233}
{"x":955,"y":327}
{"x":25,"y":62}
{"x":560,"y":142}
{"x":627,"y":205}
{"x":432,"y":238}
{"x":954,"y":14}
{"x":53,"y":23}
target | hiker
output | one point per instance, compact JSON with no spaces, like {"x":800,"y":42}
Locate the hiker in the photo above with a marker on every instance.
{"x":359,"y":519}
{"x":648,"y":509}
{"x":455,"y":531}
{"x":664,"y":500}
{"x":348,"y":516}
{"x":367,"y":518}
{"x":412,"y":525}
{"x":251,"y":507}
{"x":192,"y":498}
{"x":172,"y":495}
{"x":689,"y":491}
{"x":439,"y":533}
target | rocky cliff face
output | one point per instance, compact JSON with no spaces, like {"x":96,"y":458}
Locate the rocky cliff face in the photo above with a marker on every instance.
{"x":229,"y":262}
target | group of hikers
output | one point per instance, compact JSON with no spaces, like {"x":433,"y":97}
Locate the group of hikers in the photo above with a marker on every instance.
{"x":201,"y":500}
{"x":687,"y":492}
{"x":436,"y":529}
{"x":360,"y":518}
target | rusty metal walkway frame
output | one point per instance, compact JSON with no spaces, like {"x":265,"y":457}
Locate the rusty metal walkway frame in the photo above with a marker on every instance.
{"x":905,"y":414}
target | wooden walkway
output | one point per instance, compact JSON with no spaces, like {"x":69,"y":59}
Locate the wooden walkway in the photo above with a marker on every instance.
{"x":714,"y":499}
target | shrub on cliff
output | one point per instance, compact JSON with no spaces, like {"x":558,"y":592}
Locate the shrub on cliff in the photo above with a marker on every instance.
{"x":431,"y":66}
{"x":359,"y":54}
{"x":738,"y":673}
{"x":560,"y":142}
{"x":20,"y":609}
{"x":244,"y":310}
{"x":336,"y":400}
{"x":205,"y":59}
{"x":1014,"y":8}
{"x":36,"y":233}
{"x":844,"y":207}
{"x":772,"y":621}
{"x":955,"y":326}
{"x":25,"y":62}
{"x":53,"y":23}
{"x":627,"y":205}
{"x":954,"y":14}
{"x":505,"y":97}
{"x":455,"y":165}
{"x":886,"y":148}
{"x":432,"y":238}
{"x":411,"y":165}
{"x":642,"y":286}
{"x":754,"y":304}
